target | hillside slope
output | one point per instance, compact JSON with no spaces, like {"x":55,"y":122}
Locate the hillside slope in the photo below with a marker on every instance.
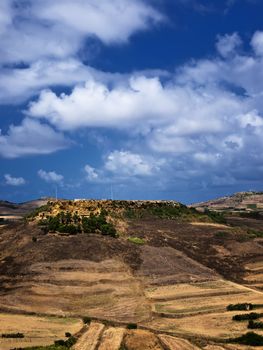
{"x":161,"y":265}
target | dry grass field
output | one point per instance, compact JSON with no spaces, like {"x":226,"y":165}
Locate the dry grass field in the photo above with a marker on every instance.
{"x":37,"y":330}
{"x":200,"y":308}
{"x":74,"y":287}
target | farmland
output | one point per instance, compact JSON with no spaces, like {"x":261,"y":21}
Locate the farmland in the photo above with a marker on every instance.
{"x":170,"y":270}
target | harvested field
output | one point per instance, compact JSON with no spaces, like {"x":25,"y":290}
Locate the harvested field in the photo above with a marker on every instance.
{"x":112,"y":339}
{"x":141,"y":340}
{"x":173,"y":343}
{"x":200,"y":308}
{"x":90,"y":339}
{"x":37,"y":330}
{"x":254,"y":275}
{"x":75,"y":287}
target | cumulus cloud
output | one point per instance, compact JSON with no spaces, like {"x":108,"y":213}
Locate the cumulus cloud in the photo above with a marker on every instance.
{"x":44,"y":28}
{"x":91,"y":173}
{"x":209,"y":114}
{"x":141,"y":98}
{"x":16,"y":84}
{"x":126,"y":163}
{"x":228,"y":44}
{"x":14,"y":181}
{"x":257,"y":43}
{"x":51,"y":176}
{"x":29,"y":138}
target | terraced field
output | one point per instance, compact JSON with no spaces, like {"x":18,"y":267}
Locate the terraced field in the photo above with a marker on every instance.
{"x":74,"y":287}
{"x":200,"y":308}
{"x":254,"y":275}
{"x":37,"y":330}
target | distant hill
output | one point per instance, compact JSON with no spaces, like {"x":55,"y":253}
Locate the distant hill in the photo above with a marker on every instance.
{"x":17,"y":210}
{"x":241,"y":201}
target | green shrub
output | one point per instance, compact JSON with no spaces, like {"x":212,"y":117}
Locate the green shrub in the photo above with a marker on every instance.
{"x":255,"y":233}
{"x":13,"y":335}
{"x":215,"y":216}
{"x":243,"y":306}
{"x":67,"y":334}
{"x":67,"y":343}
{"x":99,"y":223}
{"x":136,"y":240}
{"x":132,"y":326}
{"x":255,"y":325}
{"x":249,"y":338}
{"x":222,"y":234}
{"x":86,"y":319}
{"x":245,"y":317}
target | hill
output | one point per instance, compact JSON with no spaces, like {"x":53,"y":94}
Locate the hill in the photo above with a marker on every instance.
{"x":167,"y":268}
{"x":241,"y":201}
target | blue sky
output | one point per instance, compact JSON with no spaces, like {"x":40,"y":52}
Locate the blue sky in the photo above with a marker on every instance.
{"x":157,"y":99}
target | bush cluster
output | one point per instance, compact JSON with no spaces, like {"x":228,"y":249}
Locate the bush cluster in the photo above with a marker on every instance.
{"x":249,"y":338}
{"x":13,"y":335}
{"x":132,"y":326}
{"x":246,"y":317}
{"x":65,"y":222}
{"x":67,"y":343}
{"x":241,"y":307}
{"x":86,"y":320}
{"x":215,"y":216}
{"x":255,"y":325}
{"x":99,"y":224}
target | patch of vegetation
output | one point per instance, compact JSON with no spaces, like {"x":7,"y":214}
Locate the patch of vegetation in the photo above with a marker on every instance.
{"x":251,"y":215}
{"x":86,"y":320}
{"x":255,"y":325}
{"x":13,"y":335}
{"x":2,"y":221}
{"x":241,"y":306}
{"x":67,"y":343}
{"x":255,"y":233}
{"x":162,"y":210}
{"x":246,"y":317}
{"x":93,"y":224}
{"x":249,"y":338}
{"x":136,"y":240}
{"x":132,"y":326}
{"x":65,"y":222}
{"x":215,"y":216}
{"x":222,"y":234}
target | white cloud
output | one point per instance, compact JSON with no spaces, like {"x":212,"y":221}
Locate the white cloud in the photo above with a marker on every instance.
{"x":113,"y":21}
{"x":5,"y":15}
{"x":125,"y":163}
{"x":14,"y":181}
{"x":51,"y":176}
{"x":257,"y":43}
{"x":91,"y":173}
{"x":18,"y":84}
{"x":141,"y":98}
{"x":58,"y":29}
{"x":29,"y":138}
{"x":228,"y":44}
{"x":209,"y":114}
